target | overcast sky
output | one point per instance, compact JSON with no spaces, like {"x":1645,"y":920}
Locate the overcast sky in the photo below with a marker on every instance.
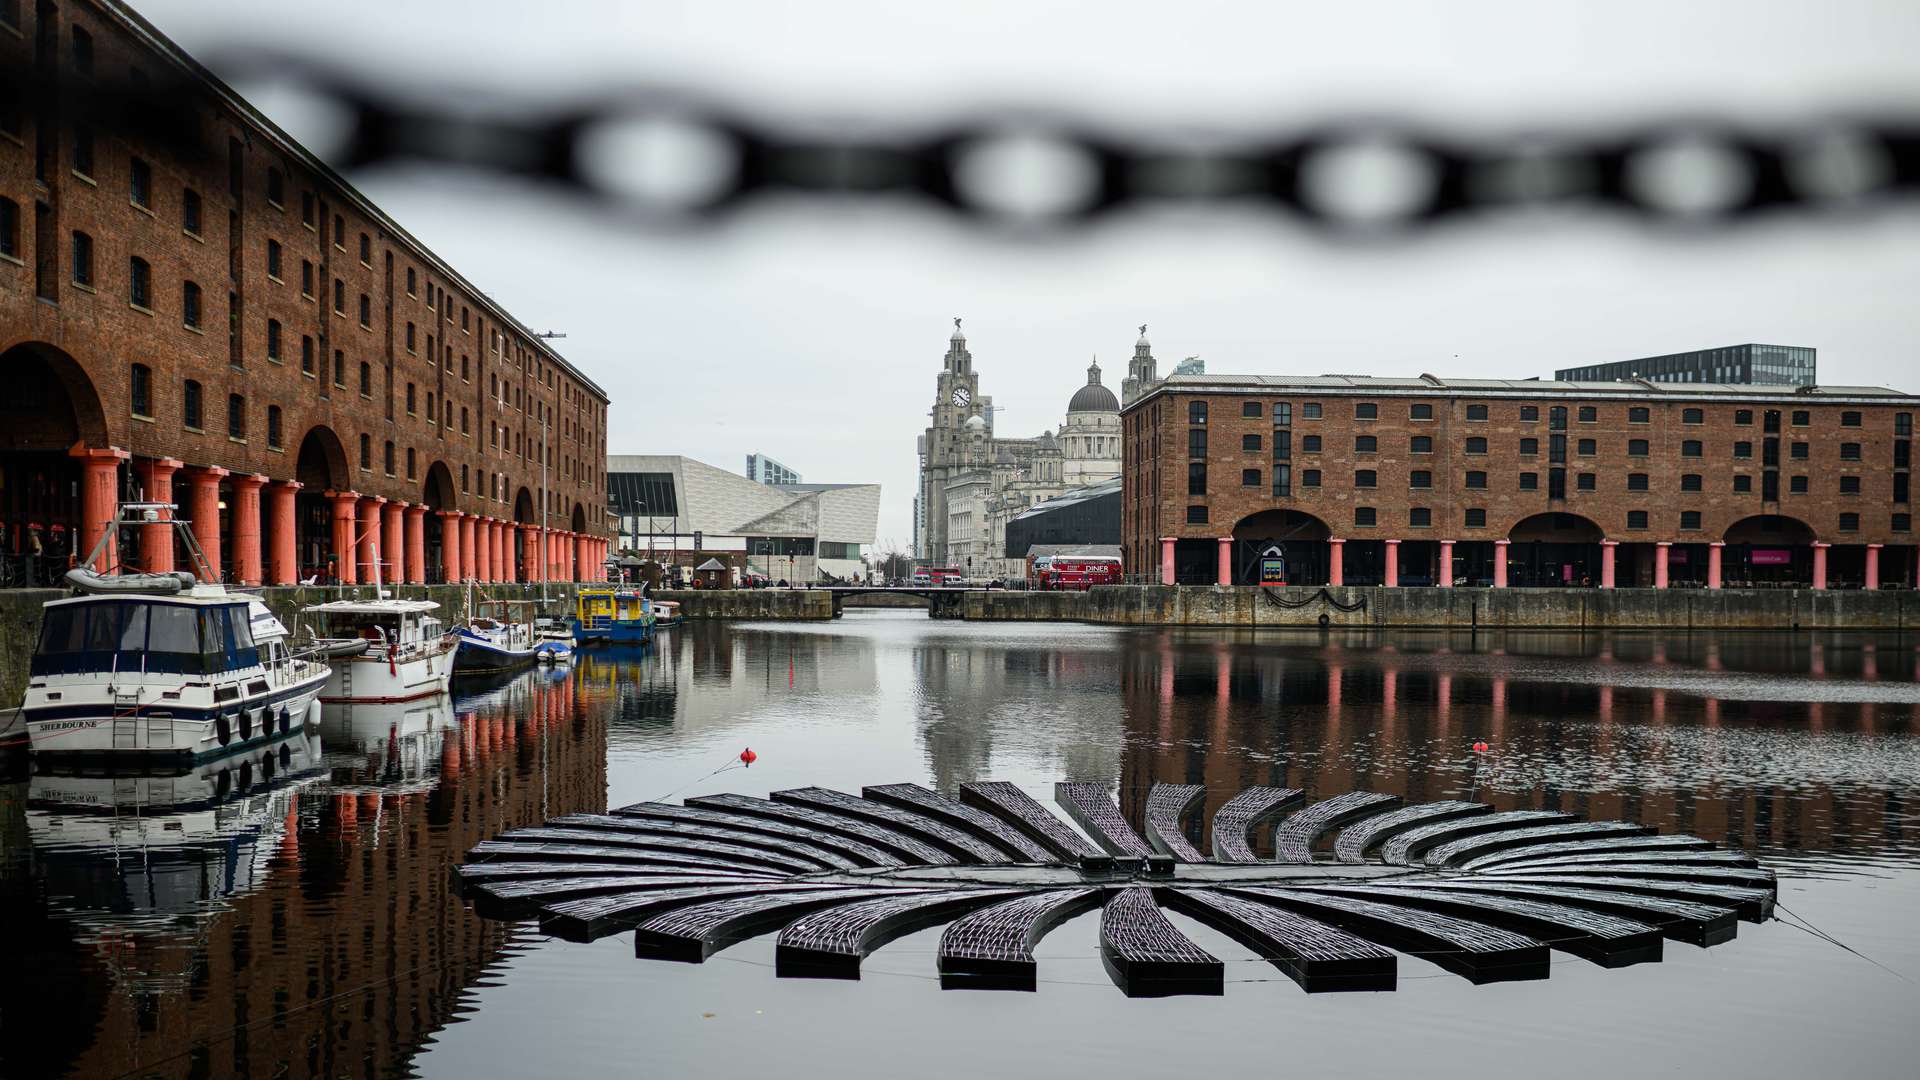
{"x":816,"y":337}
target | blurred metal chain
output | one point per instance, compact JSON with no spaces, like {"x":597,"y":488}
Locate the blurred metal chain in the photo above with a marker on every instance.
{"x":670,"y":157}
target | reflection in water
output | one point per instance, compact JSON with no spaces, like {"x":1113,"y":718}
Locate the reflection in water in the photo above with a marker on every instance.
{"x":324,"y":938}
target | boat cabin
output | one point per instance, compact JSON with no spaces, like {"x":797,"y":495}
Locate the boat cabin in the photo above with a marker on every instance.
{"x":378,"y":622}
{"x":183,"y":635}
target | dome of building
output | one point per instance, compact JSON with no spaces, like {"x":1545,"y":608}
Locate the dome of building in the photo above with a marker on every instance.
{"x":976,"y":422}
{"x":1093,"y":397}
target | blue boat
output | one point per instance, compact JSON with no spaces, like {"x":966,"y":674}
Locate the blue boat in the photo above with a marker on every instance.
{"x":488,"y":643}
{"x":617,"y":616}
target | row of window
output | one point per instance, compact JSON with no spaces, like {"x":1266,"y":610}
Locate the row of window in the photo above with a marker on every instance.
{"x":1529,"y":447}
{"x":1476,"y":480}
{"x":1587,"y":414}
{"x":1421,"y":517}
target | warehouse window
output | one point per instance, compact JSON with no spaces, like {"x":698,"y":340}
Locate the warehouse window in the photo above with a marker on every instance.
{"x":276,"y":187}
{"x":1849,"y":451}
{"x":1420,"y":478}
{"x":190,"y":304}
{"x":275,"y":439}
{"x":1365,"y":444}
{"x":1196,"y":412}
{"x":1419,"y":517}
{"x":140,"y":390}
{"x":1477,"y":444}
{"x":1196,"y":515}
{"x":1422,"y":444}
{"x":1250,"y":443}
{"x":1690,"y":448}
{"x":1363,"y":515}
{"x":236,"y":416}
{"x":1586,"y":481}
{"x":1849,"y":523}
{"x":1476,"y":412}
{"x":1249,"y":477}
{"x":1690,"y":520}
{"x":1529,"y":481}
{"x":1589,"y":414}
{"x":190,"y":405}
{"x":1420,"y":411}
{"x":1849,"y":485}
{"x":273,"y":340}
{"x":139,"y":283}
{"x":1529,"y":447}
{"x":1365,"y":478}
{"x":1248,"y":409}
{"x":1637,"y":481}
{"x":1636,"y":519}
{"x":1476,"y":518}
{"x":1197,"y":478}
{"x":1690,"y":482}
{"x":82,"y":259}
{"x":1639,"y":414}
{"x":1476,"y":479}
{"x":1366,"y":410}
{"x":1310,"y":478}
{"x":140,"y":184}
{"x":1693,"y":416}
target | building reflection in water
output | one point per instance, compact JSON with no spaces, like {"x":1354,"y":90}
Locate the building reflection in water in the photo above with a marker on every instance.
{"x":1692,"y":734}
{"x":195,"y":922}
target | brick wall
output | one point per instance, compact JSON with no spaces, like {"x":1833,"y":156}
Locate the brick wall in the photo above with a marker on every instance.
{"x":1157,"y":499}
{"x":493,"y":380}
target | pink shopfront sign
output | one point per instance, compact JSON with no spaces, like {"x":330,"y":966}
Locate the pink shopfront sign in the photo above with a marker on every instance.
{"x":1772,"y":557}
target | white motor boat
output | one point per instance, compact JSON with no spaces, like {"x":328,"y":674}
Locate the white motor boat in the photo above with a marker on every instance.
{"x":407,"y":652}
{"x":161,"y":667}
{"x":553,"y":641}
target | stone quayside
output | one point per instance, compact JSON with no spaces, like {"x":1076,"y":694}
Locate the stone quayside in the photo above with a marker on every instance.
{"x":1356,"y":879}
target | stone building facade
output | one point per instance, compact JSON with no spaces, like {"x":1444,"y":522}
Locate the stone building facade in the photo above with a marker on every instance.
{"x":194,"y":309}
{"x":972,"y":483}
{"x":1353,"y":480}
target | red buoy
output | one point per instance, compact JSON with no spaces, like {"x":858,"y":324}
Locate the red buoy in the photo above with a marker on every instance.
{"x":748,"y":757}
{"x":1480,"y":747}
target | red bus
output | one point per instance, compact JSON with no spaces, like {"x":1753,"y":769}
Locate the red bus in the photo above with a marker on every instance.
{"x":939,"y":577}
{"x":1075,"y":572}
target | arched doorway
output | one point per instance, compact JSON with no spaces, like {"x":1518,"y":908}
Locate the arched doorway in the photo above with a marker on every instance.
{"x":524,"y":514}
{"x":436,"y":494}
{"x":1557,"y":549}
{"x":1299,"y":537}
{"x":1768,"y":550}
{"x":50,"y":406}
{"x":320,"y":467}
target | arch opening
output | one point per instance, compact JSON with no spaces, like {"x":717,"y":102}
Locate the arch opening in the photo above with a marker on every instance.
{"x":50,"y":407}
{"x":1554,"y":550}
{"x":1292,"y":543}
{"x":1768,"y":550}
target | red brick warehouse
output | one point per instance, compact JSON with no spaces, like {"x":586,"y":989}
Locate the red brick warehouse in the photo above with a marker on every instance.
{"x":1430,"y":481}
{"x":201,"y":312}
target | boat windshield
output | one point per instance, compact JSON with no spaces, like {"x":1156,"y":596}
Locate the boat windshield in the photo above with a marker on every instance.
{"x":135,"y":635}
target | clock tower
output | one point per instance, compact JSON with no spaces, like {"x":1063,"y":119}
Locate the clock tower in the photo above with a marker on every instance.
{"x":943,"y":446}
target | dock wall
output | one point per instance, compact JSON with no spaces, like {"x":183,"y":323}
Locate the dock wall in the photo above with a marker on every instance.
{"x":1457,"y":609}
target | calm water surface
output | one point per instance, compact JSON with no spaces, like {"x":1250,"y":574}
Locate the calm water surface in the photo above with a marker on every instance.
{"x":293,"y":916}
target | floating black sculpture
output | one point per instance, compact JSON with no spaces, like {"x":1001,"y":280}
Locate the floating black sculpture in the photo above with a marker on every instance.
{"x":1480,"y":893}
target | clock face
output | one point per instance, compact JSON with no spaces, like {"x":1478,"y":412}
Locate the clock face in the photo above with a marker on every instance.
{"x":961,"y":395}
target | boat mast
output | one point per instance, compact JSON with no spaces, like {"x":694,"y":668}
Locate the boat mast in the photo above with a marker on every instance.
{"x":546,"y":499}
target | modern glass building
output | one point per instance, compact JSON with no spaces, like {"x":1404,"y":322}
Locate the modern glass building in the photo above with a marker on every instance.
{"x":1767,"y":365}
{"x":764,"y":469}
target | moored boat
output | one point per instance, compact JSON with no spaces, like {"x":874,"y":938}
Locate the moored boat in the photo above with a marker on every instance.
{"x":404,"y":652}
{"x":617,"y":615}
{"x":161,"y":667}
{"x":495,"y":642}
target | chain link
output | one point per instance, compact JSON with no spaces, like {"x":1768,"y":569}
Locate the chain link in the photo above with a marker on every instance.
{"x":668,"y":157}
